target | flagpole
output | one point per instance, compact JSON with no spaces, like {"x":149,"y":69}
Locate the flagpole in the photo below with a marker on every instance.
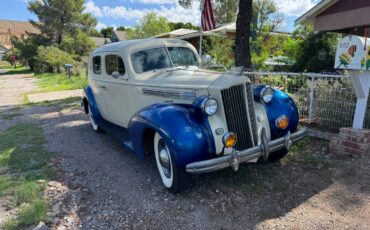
{"x":201,"y":30}
{"x":200,"y":41}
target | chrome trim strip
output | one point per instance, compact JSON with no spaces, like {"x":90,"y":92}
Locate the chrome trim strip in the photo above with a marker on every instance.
{"x":177,"y":94}
{"x":246,"y":155}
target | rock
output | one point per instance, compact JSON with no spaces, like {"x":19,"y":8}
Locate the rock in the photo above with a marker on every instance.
{"x":41,"y":226}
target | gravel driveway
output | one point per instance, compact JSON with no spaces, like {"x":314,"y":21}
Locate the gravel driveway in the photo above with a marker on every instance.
{"x":101,"y":185}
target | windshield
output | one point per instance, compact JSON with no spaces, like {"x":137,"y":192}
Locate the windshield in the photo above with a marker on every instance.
{"x":158,"y":58}
{"x":152,"y":59}
{"x":182,"y":56}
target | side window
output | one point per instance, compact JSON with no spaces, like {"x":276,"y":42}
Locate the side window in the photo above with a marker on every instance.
{"x":114,"y":63}
{"x":97,"y":64}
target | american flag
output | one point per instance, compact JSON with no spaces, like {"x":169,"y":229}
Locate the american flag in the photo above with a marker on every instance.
{"x":208,"y":21}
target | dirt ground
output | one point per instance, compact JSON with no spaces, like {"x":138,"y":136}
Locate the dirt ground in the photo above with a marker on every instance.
{"x":100,"y":185}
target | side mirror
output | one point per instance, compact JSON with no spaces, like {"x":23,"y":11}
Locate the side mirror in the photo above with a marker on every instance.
{"x":117,"y":75}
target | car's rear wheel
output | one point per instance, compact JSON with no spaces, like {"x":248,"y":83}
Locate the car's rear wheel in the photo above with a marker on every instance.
{"x":173,"y":178}
{"x":94,"y":125}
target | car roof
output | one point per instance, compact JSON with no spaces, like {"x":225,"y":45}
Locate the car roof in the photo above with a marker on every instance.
{"x":141,"y":44}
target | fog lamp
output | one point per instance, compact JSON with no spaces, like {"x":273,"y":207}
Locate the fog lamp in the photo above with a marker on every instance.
{"x":282,"y":122}
{"x":229,"y":140}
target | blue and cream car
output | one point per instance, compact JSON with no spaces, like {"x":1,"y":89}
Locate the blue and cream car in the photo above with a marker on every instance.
{"x":153,"y":95}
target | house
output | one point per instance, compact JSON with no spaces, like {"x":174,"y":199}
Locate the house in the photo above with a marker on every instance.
{"x":342,"y":16}
{"x":176,"y":33}
{"x":3,"y":49}
{"x":99,"y":41}
{"x":118,"y":36}
{"x":348,"y":17}
{"x":18,"y":29}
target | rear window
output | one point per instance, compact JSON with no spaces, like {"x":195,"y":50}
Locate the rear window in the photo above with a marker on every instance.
{"x":97,"y":65}
{"x":114,"y":63}
{"x":152,"y":59}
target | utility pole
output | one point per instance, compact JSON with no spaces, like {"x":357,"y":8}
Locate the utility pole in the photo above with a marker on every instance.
{"x":11,"y":42}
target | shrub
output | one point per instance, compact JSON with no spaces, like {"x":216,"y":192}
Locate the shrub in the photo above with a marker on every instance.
{"x":52,"y":58}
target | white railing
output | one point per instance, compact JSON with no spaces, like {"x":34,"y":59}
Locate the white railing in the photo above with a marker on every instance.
{"x":326,"y":102}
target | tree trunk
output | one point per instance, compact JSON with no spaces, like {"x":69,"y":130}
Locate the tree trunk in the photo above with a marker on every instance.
{"x":243,"y":24}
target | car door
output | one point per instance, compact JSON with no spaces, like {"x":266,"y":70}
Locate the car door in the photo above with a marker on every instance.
{"x":98,"y":84}
{"x":117,"y":93}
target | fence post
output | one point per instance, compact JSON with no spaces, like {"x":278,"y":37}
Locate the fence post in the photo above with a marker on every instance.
{"x":312,"y":85}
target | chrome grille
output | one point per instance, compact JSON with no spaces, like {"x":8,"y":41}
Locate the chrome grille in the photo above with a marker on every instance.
{"x":251,"y":110}
{"x":236,"y":109}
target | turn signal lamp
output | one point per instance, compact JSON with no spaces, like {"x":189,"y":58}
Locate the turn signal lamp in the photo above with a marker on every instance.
{"x":229,"y":140}
{"x":282,"y":122}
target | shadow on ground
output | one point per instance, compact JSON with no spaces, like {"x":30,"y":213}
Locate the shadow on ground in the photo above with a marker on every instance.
{"x":102,"y":185}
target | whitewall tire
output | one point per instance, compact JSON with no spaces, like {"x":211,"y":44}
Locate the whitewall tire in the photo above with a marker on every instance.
{"x":94,"y":125}
{"x":174,"y":179}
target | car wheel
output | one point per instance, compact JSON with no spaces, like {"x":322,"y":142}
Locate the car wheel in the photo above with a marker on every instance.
{"x":276,"y":156}
{"x":94,"y":125}
{"x":173,"y":178}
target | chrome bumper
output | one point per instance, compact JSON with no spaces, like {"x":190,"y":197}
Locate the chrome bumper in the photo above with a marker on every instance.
{"x":235,"y":158}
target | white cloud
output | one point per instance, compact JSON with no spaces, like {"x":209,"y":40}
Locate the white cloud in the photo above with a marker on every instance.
{"x":295,"y":7}
{"x":174,"y":13}
{"x":154,"y":1}
{"x":90,"y":7}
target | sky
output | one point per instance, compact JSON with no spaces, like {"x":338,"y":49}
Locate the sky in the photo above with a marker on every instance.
{"x":129,"y":12}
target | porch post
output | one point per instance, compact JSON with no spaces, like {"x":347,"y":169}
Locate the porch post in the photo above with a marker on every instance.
{"x":361,"y":84}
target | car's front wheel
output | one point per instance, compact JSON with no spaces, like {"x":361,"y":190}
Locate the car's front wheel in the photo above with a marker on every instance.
{"x":94,"y":125}
{"x":276,"y":156}
{"x":173,"y":178}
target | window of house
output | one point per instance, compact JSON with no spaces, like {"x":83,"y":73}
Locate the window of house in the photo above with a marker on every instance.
{"x":114,"y":63}
{"x":97,"y":65}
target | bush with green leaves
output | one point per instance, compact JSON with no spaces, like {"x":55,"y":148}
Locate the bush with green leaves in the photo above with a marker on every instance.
{"x":77,"y":44}
{"x":220,"y":49}
{"x":52,"y":59}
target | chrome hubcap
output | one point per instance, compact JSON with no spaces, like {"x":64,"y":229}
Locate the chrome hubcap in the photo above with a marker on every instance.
{"x":164,"y":159}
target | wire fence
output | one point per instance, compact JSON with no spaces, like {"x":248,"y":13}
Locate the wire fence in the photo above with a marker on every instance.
{"x":326,"y":102}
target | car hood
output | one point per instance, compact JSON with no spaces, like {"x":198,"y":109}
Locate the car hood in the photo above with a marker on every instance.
{"x":189,"y":79}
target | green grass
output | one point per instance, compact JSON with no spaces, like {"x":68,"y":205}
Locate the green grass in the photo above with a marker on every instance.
{"x":50,"y":82}
{"x":10,"y":70}
{"x":23,"y":161}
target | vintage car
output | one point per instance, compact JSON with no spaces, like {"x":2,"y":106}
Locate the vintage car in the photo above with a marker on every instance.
{"x":153,"y":95}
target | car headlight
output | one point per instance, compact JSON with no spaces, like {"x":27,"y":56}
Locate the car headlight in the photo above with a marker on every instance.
{"x":209,"y":106}
{"x":267,"y":94}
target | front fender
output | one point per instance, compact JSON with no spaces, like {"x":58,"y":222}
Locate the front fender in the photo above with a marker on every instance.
{"x":186,"y":131}
{"x":281,"y":104}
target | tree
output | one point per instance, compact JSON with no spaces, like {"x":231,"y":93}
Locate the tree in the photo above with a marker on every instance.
{"x":151,"y":24}
{"x":57,"y":18}
{"x":121,"y":28}
{"x":316,"y":52}
{"x":243,"y":23}
{"x":27,"y":47}
{"x":78,"y":44}
{"x":107,"y":32}
{"x":225,"y":10}
{"x":180,"y":25}
{"x":220,"y":50}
